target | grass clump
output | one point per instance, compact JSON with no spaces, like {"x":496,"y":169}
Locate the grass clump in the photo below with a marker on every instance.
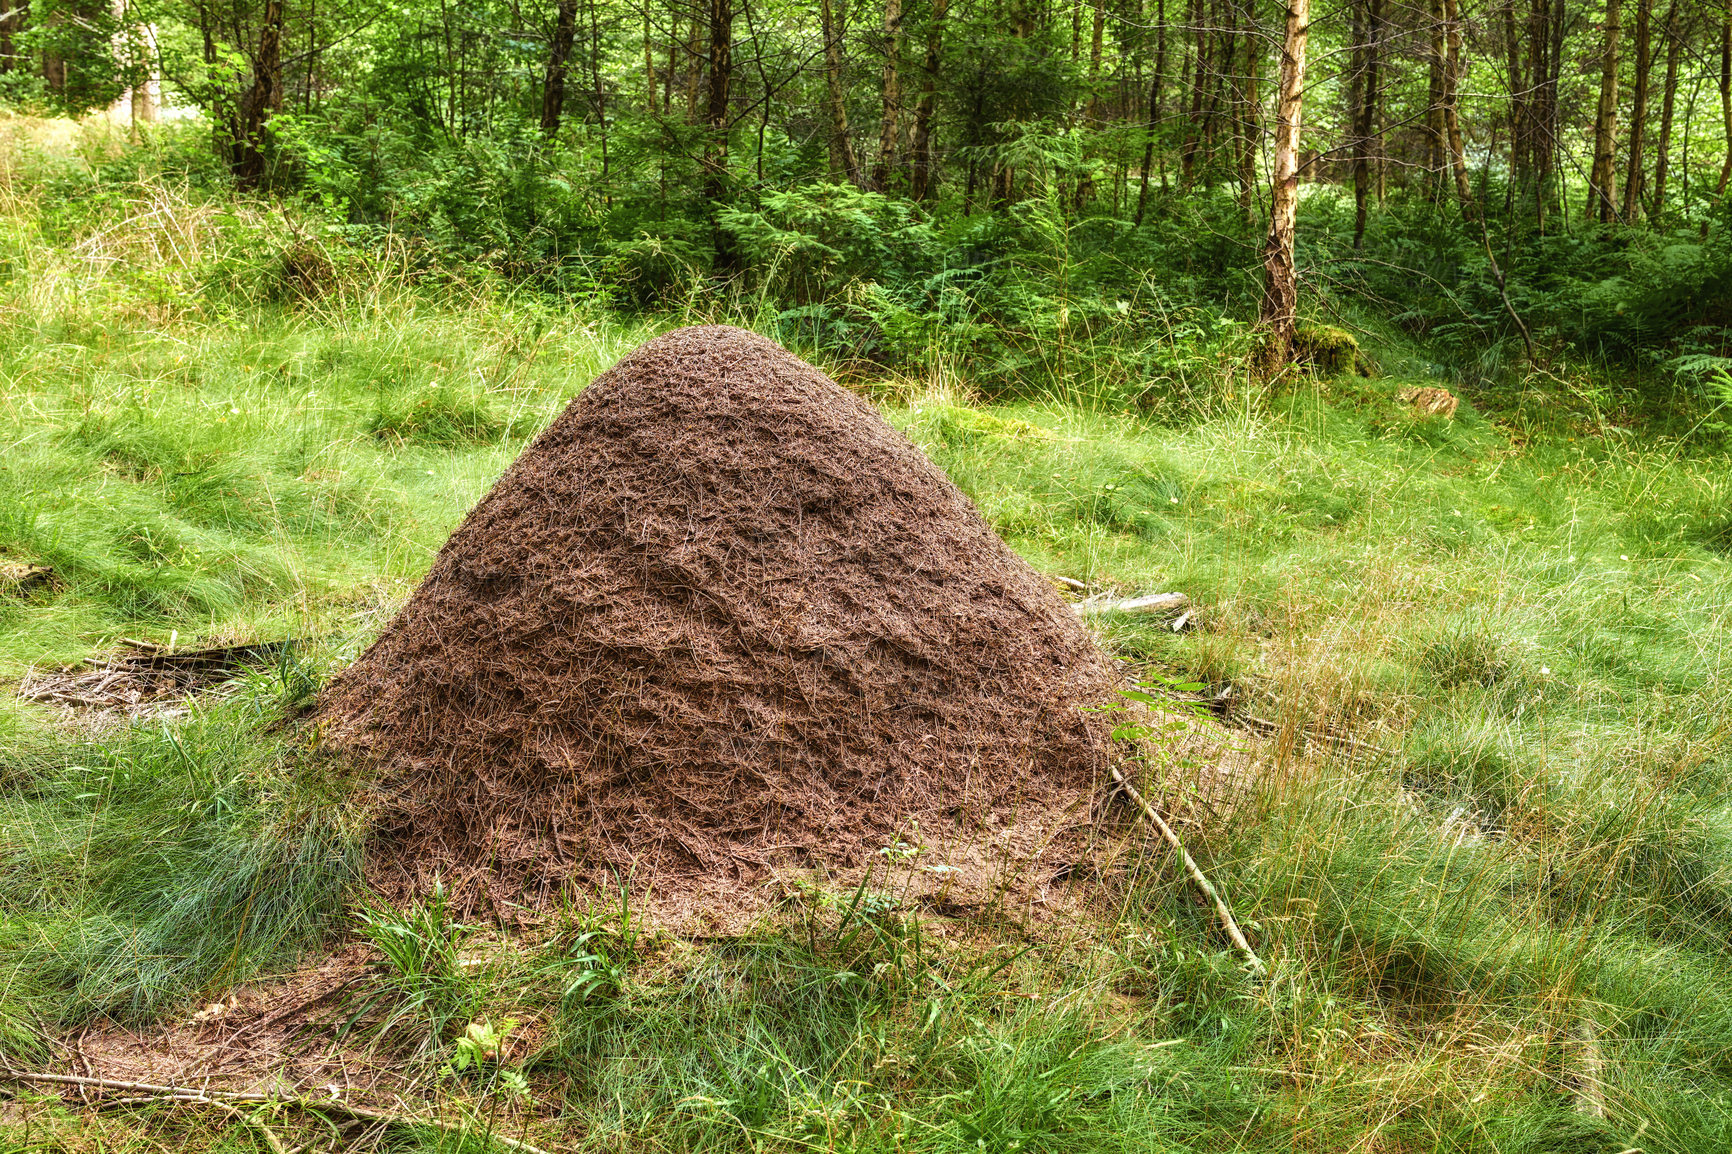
{"x":435,"y":415}
{"x":143,"y":870}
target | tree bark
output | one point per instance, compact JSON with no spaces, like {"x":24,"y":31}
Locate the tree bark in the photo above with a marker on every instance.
{"x":1365,"y":121}
{"x":1154,"y":106}
{"x":843,"y":162}
{"x":600,"y":90}
{"x":261,"y":98}
{"x":721,"y":75}
{"x":891,"y":90}
{"x":1668,"y":102}
{"x":921,"y":183}
{"x":1099,"y":36}
{"x":695,"y":56}
{"x":1602,"y":186}
{"x":1435,"y":148}
{"x":1453,"y":70}
{"x":13,"y":21}
{"x":1280,"y":306}
{"x":1520,"y":156}
{"x":1199,"y":70}
{"x":649,"y":64}
{"x":1726,"y":98}
{"x":558,"y":62}
{"x":1639,"y":112}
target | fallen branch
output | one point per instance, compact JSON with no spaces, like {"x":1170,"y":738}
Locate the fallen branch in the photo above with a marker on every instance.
{"x":1154,"y":603}
{"x":225,"y":1099}
{"x":1195,"y":872}
{"x":1353,"y":744}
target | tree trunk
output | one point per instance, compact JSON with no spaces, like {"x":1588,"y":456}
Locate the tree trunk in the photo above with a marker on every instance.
{"x":1095,"y":43}
{"x":1520,"y":158}
{"x":263,"y":97}
{"x":695,"y":56}
{"x":1551,"y":140}
{"x":843,"y":162}
{"x":1199,"y":70}
{"x":1281,"y":288}
{"x":1602,"y":186}
{"x":1365,"y":123}
{"x":673,"y":63}
{"x":1668,"y":102}
{"x":891,"y":90}
{"x":921,"y":184}
{"x":1725,"y":98}
{"x":1085,"y":185}
{"x":1435,"y":148}
{"x":13,"y":21}
{"x":721,"y":78}
{"x":1453,"y":70}
{"x":649,"y":64}
{"x":1639,"y":112}
{"x":1154,"y":106}
{"x":558,"y":61}
{"x":600,"y":90}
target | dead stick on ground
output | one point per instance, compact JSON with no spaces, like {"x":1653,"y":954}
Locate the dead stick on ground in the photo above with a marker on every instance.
{"x":225,"y":1098}
{"x":1196,"y":873}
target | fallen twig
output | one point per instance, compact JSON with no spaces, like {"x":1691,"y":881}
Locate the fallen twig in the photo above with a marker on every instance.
{"x":1353,"y":744}
{"x":1195,"y":872}
{"x":224,"y":1099}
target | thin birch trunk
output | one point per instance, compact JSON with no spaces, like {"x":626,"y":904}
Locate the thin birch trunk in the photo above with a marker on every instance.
{"x":891,"y":90}
{"x":1278,"y":315}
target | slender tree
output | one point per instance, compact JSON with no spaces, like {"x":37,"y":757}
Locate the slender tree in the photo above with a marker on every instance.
{"x":260,"y":100}
{"x":1279,"y":312}
{"x":922,"y":174}
{"x":1726,"y":97}
{"x":721,"y":75}
{"x":1453,"y":69}
{"x":843,"y":162}
{"x":1601,"y":183}
{"x":1668,"y":105}
{"x":1639,"y":112}
{"x":1154,"y":112}
{"x":891,"y":91}
{"x":558,"y":63}
{"x":1366,"y":106}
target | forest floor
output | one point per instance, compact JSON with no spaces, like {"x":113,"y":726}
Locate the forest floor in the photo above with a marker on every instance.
{"x":1480,"y":715}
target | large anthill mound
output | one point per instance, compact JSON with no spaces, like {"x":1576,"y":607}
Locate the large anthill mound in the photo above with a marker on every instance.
{"x":719,"y":610}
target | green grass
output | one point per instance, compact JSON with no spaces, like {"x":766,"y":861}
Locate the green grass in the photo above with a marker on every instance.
{"x":1520,"y":617}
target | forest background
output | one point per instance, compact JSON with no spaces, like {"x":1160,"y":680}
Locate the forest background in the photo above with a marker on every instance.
{"x":993,"y":181}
